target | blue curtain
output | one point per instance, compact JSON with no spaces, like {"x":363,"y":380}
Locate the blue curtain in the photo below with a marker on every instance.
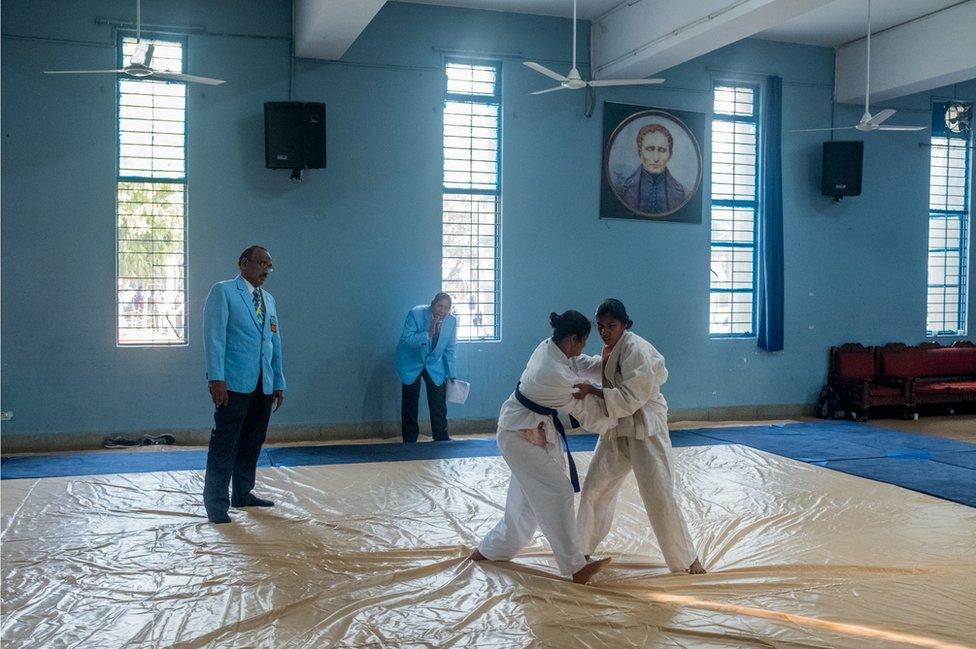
{"x":771,"y":220}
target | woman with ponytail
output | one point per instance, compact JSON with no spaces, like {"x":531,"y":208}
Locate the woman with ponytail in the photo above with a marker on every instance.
{"x":531,"y":436}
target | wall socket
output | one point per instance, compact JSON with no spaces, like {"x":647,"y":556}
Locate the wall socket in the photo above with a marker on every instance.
{"x":6,"y":415}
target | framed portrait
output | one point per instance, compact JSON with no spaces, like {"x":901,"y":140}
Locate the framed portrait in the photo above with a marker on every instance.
{"x":652,"y":164}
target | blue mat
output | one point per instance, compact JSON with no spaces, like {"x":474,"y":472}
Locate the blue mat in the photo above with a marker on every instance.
{"x":694,"y":437}
{"x":67,"y":464}
{"x":945,"y":481}
{"x":940,"y":467}
{"x":805,"y":446}
{"x":357,"y":453}
{"x":966,"y":460}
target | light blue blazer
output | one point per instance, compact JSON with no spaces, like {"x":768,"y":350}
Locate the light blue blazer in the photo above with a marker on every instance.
{"x":237,"y":349}
{"x":414,"y":353}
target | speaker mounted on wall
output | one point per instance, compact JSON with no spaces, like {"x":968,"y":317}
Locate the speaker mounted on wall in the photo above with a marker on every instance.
{"x":294,"y":136}
{"x":842,"y":163}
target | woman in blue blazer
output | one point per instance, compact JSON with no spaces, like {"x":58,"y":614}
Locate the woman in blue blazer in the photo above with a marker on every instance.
{"x":426,"y":351}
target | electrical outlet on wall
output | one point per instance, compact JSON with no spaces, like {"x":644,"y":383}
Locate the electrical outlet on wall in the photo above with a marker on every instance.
{"x":6,"y":415}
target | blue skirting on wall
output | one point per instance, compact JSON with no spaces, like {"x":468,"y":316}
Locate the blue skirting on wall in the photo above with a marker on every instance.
{"x":936,"y":466}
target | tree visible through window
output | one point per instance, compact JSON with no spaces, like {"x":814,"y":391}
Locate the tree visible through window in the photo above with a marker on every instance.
{"x":471,"y":196}
{"x":735,"y":169}
{"x":151,"y":202}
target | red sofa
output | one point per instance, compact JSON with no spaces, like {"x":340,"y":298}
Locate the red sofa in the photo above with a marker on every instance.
{"x":853,"y":374}
{"x":898,"y":375}
{"x":936,"y":374}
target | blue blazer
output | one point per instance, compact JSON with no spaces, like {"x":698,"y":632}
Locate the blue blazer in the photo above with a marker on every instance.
{"x":414,"y":353}
{"x":237,"y":349}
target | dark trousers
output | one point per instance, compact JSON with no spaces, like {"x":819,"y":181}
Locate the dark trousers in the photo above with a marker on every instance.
{"x":436,"y":401}
{"x":235,"y":443}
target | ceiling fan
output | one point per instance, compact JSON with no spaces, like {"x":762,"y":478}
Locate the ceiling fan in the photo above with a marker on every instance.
{"x":573,"y":80}
{"x":868,"y":121}
{"x":140,"y":63}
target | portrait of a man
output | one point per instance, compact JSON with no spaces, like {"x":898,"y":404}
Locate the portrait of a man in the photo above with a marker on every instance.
{"x":652,"y":189}
{"x":652,"y":165}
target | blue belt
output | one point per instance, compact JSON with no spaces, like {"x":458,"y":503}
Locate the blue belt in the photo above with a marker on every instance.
{"x":551,"y":412}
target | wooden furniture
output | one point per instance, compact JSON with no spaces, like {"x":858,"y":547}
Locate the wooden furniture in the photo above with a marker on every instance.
{"x":936,"y":374}
{"x":854,"y":376}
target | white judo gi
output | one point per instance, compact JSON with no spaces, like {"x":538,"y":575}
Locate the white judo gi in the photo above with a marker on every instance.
{"x":632,"y":380}
{"x":540,"y":494}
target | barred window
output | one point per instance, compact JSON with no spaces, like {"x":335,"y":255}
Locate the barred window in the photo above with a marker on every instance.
{"x":151,"y":201}
{"x":948,"y":250}
{"x":471,"y":197}
{"x":735,"y":169}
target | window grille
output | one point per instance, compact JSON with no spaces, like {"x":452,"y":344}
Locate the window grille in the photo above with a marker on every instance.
{"x":735,"y":170}
{"x":151,"y":201}
{"x":470,"y":268}
{"x":948,"y":250}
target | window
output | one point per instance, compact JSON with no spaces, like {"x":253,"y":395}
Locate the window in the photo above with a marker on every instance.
{"x":471,"y":197}
{"x":950,"y":169}
{"x":151,"y":201}
{"x":735,"y":170}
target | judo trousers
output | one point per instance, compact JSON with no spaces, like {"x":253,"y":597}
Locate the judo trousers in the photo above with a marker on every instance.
{"x":650,"y":461}
{"x":539,"y":496}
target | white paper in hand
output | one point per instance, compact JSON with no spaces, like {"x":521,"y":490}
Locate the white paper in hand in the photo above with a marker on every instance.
{"x":457,"y":390}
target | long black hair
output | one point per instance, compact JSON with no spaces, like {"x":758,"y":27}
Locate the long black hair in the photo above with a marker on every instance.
{"x":568,"y":323}
{"x":616,"y":310}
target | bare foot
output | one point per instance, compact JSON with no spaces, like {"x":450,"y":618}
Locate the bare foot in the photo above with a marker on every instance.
{"x":476,"y":555}
{"x":696,"y":568}
{"x":586,"y":573}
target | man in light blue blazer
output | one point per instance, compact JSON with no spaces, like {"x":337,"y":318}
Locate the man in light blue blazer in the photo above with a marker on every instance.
{"x":426,"y":351}
{"x":243,"y":348}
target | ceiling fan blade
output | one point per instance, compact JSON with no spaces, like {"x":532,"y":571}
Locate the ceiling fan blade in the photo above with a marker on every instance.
{"x":597,"y":83}
{"x":173,"y":76}
{"x":544,"y":70}
{"x":811,"y":130}
{"x":902,"y":128}
{"x":542,"y":92}
{"x":882,"y":115}
{"x":81,"y":71}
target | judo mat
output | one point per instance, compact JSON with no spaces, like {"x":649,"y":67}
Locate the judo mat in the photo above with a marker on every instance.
{"x":372,"y":555}
{"x":939,"y":467}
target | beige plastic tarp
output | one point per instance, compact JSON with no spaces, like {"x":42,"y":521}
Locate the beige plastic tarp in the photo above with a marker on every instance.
{"x":371,"y":555}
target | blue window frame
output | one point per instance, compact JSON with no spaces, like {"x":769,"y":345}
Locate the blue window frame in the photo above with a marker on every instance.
{"x":151,"y":199}
{"x":471,"y":205}
{"x":734,"y":210}
{"x":950,"y":174}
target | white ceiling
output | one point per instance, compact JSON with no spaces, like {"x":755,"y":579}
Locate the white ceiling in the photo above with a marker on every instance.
{"x":587,"y":9}
{"x":636,"y":39}
{"x":839,"y":22}
{"x":843,"y":21}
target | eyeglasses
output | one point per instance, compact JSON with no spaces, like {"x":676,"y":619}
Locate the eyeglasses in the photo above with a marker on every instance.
{"x":265,"y":265}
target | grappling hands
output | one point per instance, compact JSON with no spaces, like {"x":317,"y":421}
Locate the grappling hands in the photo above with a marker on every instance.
{"x":583,"y":389}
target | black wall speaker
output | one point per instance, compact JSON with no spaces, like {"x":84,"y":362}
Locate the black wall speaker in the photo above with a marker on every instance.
{"x":842,"y":169}
{"x":294,"y":135}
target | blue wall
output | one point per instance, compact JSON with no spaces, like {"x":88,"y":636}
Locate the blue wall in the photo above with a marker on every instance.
{"x":357,"y":244}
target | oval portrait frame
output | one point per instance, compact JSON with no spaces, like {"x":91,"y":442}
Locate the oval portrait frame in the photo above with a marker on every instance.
{"x":668,"y":117}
